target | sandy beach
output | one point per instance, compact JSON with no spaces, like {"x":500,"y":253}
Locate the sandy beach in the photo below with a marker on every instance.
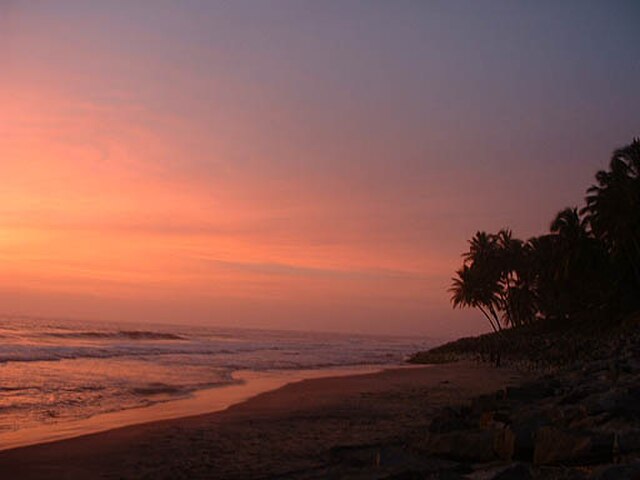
{"x":290,"y":432}
{"x":246,"y":384}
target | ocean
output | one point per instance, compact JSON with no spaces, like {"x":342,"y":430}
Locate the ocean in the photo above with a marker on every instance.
{"x":57,"y":371}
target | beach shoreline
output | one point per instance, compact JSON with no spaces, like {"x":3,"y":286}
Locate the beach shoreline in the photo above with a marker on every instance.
{"x":291,"y":428}
{"x":246,"y":384}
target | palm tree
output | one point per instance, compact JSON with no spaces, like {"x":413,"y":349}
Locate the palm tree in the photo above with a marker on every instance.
{"x":568,"y":225}
{"x":511,"y":262}
{"x":522,"y":304}
{"x":589,"y":260}
{"x":613,"y":208}
{"x":569,"y":267}
{"x":482,"y":249}
{"x":483,"y":258}
{"x":572,"y":235}
{"x":471,"y":287}
{"x":542,"y":275}
{"x":491,"y":274}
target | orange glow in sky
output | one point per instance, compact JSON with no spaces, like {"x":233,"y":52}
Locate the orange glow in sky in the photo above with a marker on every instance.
{"x":305,"y":170}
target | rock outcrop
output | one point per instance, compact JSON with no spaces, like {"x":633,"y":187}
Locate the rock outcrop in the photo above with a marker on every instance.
{"x":579,"y":419}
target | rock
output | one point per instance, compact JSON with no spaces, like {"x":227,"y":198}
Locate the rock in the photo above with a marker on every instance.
{"x":530,"y":391}
{"x":524,"y":430}
{"x":622,"y":402}
{"x":628,"y":442}
{"x":627,"y":404}
{"x":584,"y":390}
{"x":518,"y":471}
{"x":488,"y":403}
{"x":451,"y":419}
{"x":555,"y":446}
{"x":601,"y":402}
{"x":594,"y":367}
{"x":630,"y":365}
{"x":574,"y":413}
{"x":618,"y":472}
{"x":486,"y":420}
{"x":593,"y":422}
{"x":471,"y":445}
{"x":382,"y":461}
{"x":560,"y":473}
{"x":357,"y":455}
{"x":574,"y":396}
{"x":504,"y":443}
{"x":462,"y":446}
{"x":502,"y":417}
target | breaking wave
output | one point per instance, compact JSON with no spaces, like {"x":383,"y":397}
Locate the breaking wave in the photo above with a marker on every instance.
{"x":54,"y":371}
{"x":128,"y":334}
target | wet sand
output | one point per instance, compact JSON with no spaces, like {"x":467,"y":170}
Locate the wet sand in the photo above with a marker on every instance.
{"x":247,"y":384}
{"x":289,"y":432}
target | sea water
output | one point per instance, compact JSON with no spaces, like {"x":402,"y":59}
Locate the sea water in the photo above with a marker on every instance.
{"x":57,"y":371}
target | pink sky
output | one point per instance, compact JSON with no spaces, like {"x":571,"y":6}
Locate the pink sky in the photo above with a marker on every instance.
{"x":280,"y":166}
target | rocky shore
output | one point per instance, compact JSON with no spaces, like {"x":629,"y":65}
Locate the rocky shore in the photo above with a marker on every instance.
{"x":580,"y":420}
{"x":543,"y":347}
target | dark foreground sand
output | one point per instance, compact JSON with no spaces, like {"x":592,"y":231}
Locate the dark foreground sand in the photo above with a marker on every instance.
{"x":292,"y":432}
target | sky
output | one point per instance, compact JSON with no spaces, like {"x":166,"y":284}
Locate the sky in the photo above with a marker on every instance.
{"x":293,"y":164}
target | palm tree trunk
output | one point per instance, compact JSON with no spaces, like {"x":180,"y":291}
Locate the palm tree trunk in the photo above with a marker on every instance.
{"x":495,"y":349}
{"x":504,"y":297}
{"x":488,"y":318}
{"x":495,"y":316}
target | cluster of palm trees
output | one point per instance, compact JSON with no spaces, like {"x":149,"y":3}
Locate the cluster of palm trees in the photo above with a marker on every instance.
{"x":589,"y":261}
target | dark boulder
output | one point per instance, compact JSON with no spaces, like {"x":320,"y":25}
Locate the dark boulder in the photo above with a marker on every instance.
{"x":472,"y":445}
{"x":618,"y":472}
{"x":451,"y":419}
{"x":628,"y":442}
{"x":627,"y":404}
{"x":518,"y":471}
{"x":530,"y":391}
{"x":524,"y":429}
{"x":555,"y":446}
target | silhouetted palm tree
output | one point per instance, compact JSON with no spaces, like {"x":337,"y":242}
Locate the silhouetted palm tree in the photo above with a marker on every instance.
{"x":613,"y":214}
{"x":572,"y":235}
{"x":482,"y":249}
{"x":542,"y":273}
{"x":568,"y":271}
{"x":613,"y":207}
{"x":522,"y":303}
{"x":492,"y":280}
{"x":471,"y":288}
{"x":568,"y":225}
{"x":511,"y":262}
